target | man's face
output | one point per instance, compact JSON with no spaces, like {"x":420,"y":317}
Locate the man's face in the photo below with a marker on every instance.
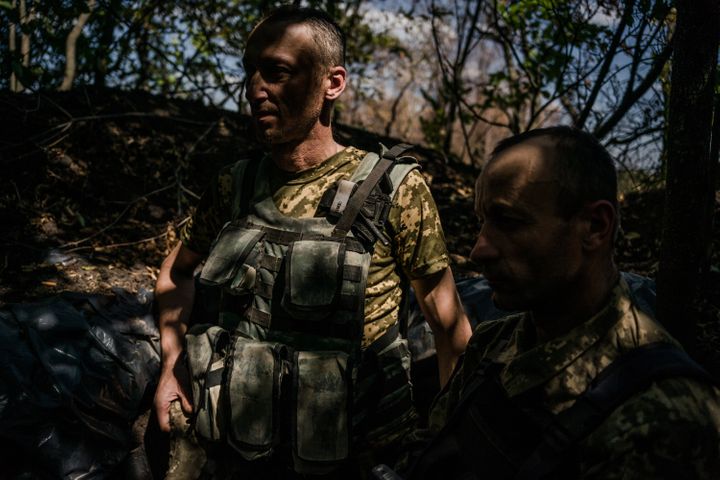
{"x":526,"y":250}
{"x":284,"y":82}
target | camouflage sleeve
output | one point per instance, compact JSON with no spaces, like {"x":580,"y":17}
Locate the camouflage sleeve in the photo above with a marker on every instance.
{"x":419,"y":241}
{"x":449,"y":398}
{"x":670,"y":431}
{"x":211,"y":213}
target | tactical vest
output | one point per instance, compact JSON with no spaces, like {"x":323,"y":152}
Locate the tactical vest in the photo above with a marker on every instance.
{"x":490,"y":435}
{"x":284,"y":366}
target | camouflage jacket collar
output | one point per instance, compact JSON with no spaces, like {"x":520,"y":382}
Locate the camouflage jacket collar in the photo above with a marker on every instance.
{"x":526,"y":368}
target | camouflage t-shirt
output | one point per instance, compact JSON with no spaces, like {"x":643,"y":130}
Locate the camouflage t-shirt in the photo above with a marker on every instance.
{"x":670,"y":430}
{"x":417,"y":247}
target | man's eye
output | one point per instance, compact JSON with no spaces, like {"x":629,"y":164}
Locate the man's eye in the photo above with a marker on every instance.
{"x":507,"y":221}
{"x":277,"y":73}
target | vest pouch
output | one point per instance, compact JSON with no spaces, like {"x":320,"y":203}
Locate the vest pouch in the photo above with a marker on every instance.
{"x":255,"y":373}
{"x":206,"y":348}
{"x":321,"y":416}
{"x":225,"y":262}
{"x":313,"y":277}
{"x":392,"y":412}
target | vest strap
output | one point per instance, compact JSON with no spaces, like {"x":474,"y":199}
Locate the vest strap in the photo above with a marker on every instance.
{"x":213,"y":378}
{"x":385,"y":339}
{"x":271,"y":263}
{"x":259,"y":317}
{"x":282,"y":237}
{"x":352,"y":273}
{"x":244,"y":173}
{"x":263,"y":289}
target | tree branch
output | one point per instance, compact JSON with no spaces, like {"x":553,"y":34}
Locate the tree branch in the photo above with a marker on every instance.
{"x":71,"y":48}
{"x":632,"y":97}
{"x":607,"y":62}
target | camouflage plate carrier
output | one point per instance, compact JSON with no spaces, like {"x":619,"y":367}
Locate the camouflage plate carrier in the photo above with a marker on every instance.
{"x":281,"y":368}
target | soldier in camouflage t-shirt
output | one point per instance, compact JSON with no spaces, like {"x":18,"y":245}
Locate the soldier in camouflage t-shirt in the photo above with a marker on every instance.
{"x":547,"y":201}
{"x":294,"y":73}
{"x":417,"y":247}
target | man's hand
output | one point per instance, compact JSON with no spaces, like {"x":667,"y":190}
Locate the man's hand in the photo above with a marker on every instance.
{"x":174,"y":293}
{"x":174,"y":384}
{"x":443,"y":310}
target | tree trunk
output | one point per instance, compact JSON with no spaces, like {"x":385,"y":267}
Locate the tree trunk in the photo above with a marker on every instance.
{"x":71,"y":48}
{"x":12,"y":39}
{"x":15,"y":83}
{"x":25,"y":18}
{"x":689,"y":184}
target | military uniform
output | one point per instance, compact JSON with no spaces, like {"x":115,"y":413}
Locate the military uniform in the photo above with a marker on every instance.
{"x":416,"y":250}
{"x":669,"y":430}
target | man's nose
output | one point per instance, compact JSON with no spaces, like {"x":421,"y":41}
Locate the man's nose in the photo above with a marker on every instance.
{"x":484,"y":249}
{"x":255,"y":88}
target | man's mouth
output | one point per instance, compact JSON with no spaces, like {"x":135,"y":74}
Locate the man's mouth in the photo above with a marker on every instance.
{"x":263,"y":114}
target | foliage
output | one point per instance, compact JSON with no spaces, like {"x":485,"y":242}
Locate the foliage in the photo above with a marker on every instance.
{"x":471,"y":71}
{"x":595,"y":64}
{"x":189,"y":48}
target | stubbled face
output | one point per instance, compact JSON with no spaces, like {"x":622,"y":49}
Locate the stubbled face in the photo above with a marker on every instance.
{"x":285,"y":82}
{"x":528,"y":252}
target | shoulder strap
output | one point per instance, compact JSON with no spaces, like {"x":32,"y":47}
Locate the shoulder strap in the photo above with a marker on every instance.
{"x":342,"y":227}
{"x":632,"y":373}
{"x":243,"y":173}
{"x":403,"y":163}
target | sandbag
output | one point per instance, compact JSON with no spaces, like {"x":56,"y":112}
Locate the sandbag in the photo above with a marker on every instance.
{"x":77,"y":370}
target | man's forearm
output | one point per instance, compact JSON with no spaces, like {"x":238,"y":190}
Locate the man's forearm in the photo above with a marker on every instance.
{"x":174,"y":292}
{"x":450,"y":344}
{"x":444,"y":313}
{"x":174,"y":305}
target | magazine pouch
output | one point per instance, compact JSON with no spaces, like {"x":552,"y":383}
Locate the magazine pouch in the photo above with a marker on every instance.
{"x":313,"y":276}
{"x":321,"y":416}
{"x":255,"y":373}
{"x":207,"y":347}
{"x":232,"y":258}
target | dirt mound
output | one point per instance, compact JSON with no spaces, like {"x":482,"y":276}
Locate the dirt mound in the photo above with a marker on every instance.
{"x":96,"y":184}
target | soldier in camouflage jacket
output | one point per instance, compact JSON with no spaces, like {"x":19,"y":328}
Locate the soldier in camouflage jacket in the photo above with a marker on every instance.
{"x":547,"y":204}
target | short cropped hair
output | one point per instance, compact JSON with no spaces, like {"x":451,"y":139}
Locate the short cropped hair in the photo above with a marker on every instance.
{"x":584,"y":169}
{"x":327,"y":34}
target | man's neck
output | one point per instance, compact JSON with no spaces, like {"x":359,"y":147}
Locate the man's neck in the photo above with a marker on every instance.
{"x":311,"y":151}
{"x":579,"y":303}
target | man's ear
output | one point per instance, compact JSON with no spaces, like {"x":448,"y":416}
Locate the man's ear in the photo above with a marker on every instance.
{"x":601,"y":218}
{"x":337,"y":76}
